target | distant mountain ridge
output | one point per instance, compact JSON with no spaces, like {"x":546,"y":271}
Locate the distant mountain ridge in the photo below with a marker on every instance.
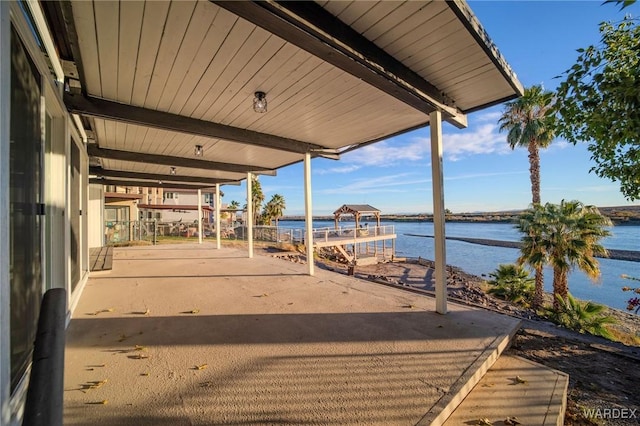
{"x":619,"y":215}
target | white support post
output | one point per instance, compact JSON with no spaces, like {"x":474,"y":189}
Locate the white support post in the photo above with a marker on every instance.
{"x":308,"y":214}
{"x":249,"y":221}
{"x":5,"y":106}
{"x":217,"y":203}
{"x":199,"y":216}
{"x":435,"y":124}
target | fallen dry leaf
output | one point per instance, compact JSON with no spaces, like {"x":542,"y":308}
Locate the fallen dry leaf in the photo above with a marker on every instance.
{"x":520,"y":380}
{"x":93,"y":385}
{"x":193,"y":311}
{"x":139,"y":356}
{"x":200,"y":367}
{"x":103,"y":402}
{"x":512,"y":421}
{"x":484,"y":422}
{"x":101,"y":311}
{"x":140,"y":348}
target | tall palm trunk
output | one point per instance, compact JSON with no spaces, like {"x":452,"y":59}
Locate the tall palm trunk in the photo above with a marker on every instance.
{"x":560,"y":287}
{"x":534,"y":171}
{"x":538,"y":295}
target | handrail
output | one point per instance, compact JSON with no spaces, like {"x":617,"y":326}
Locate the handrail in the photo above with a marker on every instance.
{"x":325,"y":234}
{"x":43,"y":406}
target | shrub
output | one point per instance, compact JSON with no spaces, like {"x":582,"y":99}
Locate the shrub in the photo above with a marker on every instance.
{"x":583,"y":317}
{"x":513,"y":283}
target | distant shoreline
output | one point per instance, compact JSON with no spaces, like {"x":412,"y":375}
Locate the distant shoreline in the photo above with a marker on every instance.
{"x":616,"y":222}
{"x":624,"y":215}
{"x":615,"y":254}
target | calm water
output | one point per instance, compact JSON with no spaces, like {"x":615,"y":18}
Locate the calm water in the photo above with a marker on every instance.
{"x":478,"y":259}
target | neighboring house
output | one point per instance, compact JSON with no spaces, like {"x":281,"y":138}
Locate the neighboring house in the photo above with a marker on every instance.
{"x":180,"y":205}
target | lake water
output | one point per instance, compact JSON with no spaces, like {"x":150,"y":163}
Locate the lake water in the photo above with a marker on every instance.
{"x":481,"y":260}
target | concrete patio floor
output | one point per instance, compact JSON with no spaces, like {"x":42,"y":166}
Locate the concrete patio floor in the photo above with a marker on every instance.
{"x":190,"y":335}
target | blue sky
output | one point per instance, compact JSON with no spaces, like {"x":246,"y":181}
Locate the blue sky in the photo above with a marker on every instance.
{"x":539,"y":40}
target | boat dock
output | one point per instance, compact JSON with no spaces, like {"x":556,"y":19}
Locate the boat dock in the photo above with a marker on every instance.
{"x":359,"y":245}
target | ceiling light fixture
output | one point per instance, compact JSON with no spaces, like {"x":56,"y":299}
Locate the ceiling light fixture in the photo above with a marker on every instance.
{"x":198,"y":151}
{"x":260,"y":102}
{"x":172,"y":171}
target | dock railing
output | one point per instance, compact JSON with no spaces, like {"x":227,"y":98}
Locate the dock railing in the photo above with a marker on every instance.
{"x":351,"y":232}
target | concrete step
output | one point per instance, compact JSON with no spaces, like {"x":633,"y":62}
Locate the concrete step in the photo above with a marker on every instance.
{"x":515,"y":387}
{"x":443,"y":409}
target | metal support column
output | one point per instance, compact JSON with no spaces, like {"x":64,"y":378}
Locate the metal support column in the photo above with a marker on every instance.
{"x":199,"y":216}
{"x":249,"y":221}
{"x":308,"y":214}
{"x":435,"y":124}
{"x":217,"y":206}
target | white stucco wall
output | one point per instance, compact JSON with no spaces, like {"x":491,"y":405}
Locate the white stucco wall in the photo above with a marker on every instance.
{"x":95,"y":210}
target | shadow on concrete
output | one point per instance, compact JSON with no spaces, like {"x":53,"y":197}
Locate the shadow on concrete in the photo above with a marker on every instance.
{"x":202,"y":329}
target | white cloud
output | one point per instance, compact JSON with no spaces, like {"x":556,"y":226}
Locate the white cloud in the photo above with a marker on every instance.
{"x":347,"y":168}
{"x":389,"y":183}
{"x":556,"y":145}
{"x":386,"y":154}
{"x":481,"y":175}
{"x":485,"y":139}
{"x":492,"y":116}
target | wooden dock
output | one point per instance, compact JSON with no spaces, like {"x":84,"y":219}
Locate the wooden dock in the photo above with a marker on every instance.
{"x":358,"y":244}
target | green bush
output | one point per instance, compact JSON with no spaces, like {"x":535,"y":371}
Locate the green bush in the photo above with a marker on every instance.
{"x":513,"y":283}
{"x":583,"y":317}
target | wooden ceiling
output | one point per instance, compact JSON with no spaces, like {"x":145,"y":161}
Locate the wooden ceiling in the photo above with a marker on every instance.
{"x":158,"y":78}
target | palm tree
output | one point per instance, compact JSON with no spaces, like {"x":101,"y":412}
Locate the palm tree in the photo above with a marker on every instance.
{"x":513,"y":283}
{"x":275,"y":207}
{"x":582,"y":317}
{"x":565,"y":236}
{"x":257,"y":197}
{"x":532,"y":251}
{"x":233,"y":205}
{"x":529,"y":122}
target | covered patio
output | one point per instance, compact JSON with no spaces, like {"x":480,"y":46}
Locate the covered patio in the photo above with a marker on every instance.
{"x":198,"y":94}
{"x":188,"y":334}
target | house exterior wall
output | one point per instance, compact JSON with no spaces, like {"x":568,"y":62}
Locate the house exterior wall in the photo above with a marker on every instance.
{"x":177,"y":197}
{"x":53,"y":243}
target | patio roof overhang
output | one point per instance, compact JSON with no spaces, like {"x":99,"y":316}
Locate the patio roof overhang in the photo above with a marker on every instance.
{"x":153,"y":79}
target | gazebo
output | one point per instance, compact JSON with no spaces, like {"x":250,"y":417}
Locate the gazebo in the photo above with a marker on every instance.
{"x":358,"y":211}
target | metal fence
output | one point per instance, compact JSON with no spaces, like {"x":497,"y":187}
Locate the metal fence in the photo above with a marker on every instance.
{"x":118,"y":232}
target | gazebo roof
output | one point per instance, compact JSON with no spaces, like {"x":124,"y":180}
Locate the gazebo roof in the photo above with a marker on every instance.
{"x":356,"y":208}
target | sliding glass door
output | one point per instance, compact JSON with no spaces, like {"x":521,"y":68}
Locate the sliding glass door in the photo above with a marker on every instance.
{"x":26,"y":208}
